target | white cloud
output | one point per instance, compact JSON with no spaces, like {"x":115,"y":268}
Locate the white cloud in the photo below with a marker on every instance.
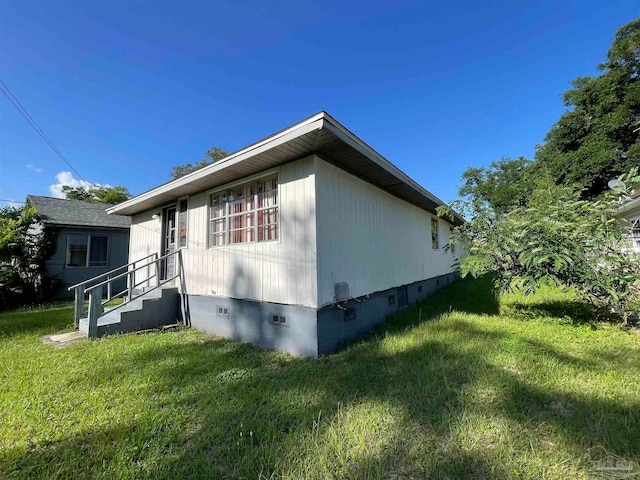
{"x":34,"y":168}
{"x":67,"y":178}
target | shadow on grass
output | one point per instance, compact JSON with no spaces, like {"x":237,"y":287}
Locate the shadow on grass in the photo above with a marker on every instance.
{"x":577,"y":312}
{"x":225,"y":410}
{"x":465,"y":295}
{"x":277,"y":399}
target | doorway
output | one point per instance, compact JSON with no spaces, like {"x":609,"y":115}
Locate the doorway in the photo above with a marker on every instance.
{"x":168,"y":265}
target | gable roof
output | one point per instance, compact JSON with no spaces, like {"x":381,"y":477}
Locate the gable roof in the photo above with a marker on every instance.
{"x":319,"y":134}
{"x":58,"y":211}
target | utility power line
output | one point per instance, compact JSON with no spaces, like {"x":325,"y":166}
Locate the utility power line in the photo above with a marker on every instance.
{"x":23,"y":111}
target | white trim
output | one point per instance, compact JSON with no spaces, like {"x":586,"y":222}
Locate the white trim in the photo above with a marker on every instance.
{"x":312,"y":123}
{"x":249,"y":179}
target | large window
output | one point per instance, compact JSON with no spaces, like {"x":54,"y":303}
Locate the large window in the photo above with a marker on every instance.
{"x":434,"y":233}
{"x":87,"y":251}
{"x":244,"y":214}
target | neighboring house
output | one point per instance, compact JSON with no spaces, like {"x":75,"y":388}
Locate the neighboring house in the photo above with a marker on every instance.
{"x":90,"y":242}
{"x":299,"y":242}
{"x":630,"y":211}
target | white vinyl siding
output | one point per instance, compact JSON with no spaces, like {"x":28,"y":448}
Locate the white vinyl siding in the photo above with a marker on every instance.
{"x":145,"y":239}
{"x":281,"y":270}
{"x":370,"y":238}
{"x":332,"y":227}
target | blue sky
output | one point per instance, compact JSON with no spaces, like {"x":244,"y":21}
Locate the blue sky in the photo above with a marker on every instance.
{"x":128,"y":89}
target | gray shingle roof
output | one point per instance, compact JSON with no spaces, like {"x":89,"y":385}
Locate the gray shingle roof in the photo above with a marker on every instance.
{"x":58,"y":211}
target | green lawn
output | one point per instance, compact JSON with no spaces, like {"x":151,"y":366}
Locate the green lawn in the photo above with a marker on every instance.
{"x":483,"y":387}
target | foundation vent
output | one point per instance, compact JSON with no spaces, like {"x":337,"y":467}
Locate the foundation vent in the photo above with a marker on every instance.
{"x":278,"y":319}
{"x":349,"y":314}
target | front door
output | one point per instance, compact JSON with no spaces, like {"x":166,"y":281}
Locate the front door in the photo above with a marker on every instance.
{"x":169,"y":242}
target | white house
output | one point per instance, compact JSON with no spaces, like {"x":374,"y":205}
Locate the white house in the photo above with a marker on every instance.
{"x":298,"y":242}
{"x":630,"y":211}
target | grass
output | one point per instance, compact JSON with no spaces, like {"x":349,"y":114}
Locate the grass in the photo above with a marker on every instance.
{"x":482,"y":387}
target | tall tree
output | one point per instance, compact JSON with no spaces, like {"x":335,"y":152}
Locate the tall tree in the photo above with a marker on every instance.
{"x":214,"y":154}
{"x":503,"y":185}
{"x":555,"y":237}
{"x":598,"y":137}
{"x":97,"y":194}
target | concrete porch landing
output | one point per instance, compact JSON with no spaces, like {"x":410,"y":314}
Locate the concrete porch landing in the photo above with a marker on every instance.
{"x":62,"y":340}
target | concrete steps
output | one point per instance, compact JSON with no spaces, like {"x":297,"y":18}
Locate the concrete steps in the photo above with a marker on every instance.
{"x":151,"y":310}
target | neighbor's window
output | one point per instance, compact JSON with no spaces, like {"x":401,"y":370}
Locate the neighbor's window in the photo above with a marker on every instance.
{"x":87,"y":250}
{"x":244,"y":214}
{"x":434,"y":233}
{"x":182,"y":222}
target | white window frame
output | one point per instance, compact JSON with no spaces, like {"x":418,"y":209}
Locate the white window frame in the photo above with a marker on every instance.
{"x":224,"y":190}
{"x":86,"y":265}
{"x":186,"y":213}
{"x":437,"y":239}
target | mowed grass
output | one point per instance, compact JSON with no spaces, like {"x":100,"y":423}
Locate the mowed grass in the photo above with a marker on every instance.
{"x":480,"y":387}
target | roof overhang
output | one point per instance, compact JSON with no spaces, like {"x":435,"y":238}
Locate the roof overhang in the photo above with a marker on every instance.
{"x":632,"y":206}
{"x":320,"y":134}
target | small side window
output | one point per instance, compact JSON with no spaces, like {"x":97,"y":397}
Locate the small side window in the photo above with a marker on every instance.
{"x":453,"y":245}
{"x":434,"y":234}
